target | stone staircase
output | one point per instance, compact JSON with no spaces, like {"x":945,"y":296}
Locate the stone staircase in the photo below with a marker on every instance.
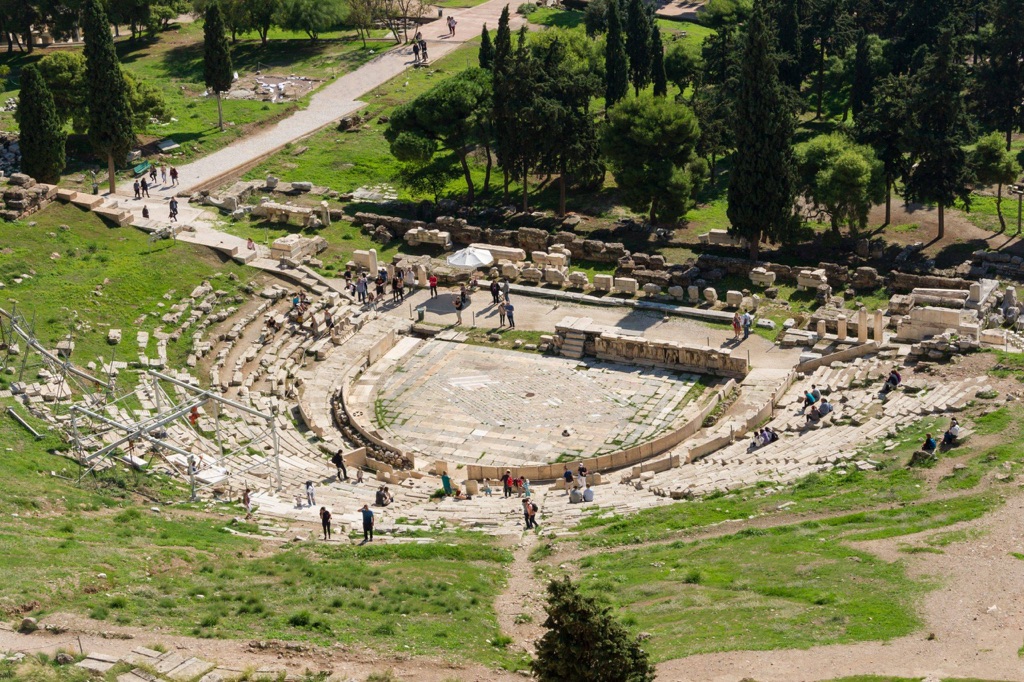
{"x":837,"y":440}
{"x":572,"y":346}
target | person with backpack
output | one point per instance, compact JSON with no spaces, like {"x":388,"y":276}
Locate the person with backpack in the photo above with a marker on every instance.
{"x":339,"y":463}
{"x":529,"y":513}
{"x":325,"y":520}
{"x":506,"y":483}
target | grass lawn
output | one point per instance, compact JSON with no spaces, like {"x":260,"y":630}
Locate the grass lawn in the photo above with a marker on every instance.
{"x":786,"y":587}
{"x":346,"y":161}
{"x":173,"y":63}
{"x":130,"y":274}
{"x":181,"y":570}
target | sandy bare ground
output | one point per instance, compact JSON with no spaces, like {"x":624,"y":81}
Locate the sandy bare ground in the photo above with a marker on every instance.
{"x":342,"y":662}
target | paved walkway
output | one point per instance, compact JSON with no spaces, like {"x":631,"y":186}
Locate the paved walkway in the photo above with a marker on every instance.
{"x":335,"y":100}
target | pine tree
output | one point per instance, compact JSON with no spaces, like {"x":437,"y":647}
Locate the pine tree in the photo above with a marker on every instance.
{"x":762,"y":185}
{"x":884,"y":125}
{"x":789,"y":43}
{"x":216,"y":56}
{"x":42,"y":135}
{"x":638,"y":44}
{"x":110,"y":111}
{"x":658,"y":77}
{"x":570,"y":142}
{"x":486,"y":54}
{"x":939,"y":130}
{"x":616,"y":63}
{"x":584,"y":642}
{"x":526,"y":134}
{"x":993,"y":165}
{"x":999,"y":81}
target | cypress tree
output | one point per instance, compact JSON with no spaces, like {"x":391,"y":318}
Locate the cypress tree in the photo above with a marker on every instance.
{"x":110,"y":111}
{"x":762,"y":186}
{"x":42,"y":136}
{"x":616,"y":63}
{"x":486,"y":54}
{"x":501,"y":76}
{"x":638,"y":44}
{"x":216,"y":56}
{"x":658,"y":77}
{"x":789,"y":43}
{"x":863,"y":77}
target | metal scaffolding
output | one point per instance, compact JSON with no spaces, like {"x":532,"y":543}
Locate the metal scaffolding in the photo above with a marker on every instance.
{"x":159,"y":431}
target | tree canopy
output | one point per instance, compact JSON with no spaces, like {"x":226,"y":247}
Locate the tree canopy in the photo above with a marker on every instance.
{"x":42,"y":135}
{"x":584,"y":643}
{"x":650,"y":143}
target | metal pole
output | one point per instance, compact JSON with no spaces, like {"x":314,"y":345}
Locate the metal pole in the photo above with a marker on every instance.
{"x":277,"y":448}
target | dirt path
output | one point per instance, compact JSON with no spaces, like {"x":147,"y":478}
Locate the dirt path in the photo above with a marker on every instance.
{"x":344,"y":662}
{"x":520,"y":607}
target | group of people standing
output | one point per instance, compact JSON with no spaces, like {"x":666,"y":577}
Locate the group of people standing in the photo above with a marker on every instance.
{"x":370,"y":292}
{"x":419,"y":49}
{"x":742,"y":323}
{"x":142,"y":186}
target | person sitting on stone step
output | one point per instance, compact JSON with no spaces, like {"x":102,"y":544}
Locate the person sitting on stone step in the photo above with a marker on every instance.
{"x":952,"y":433}
{"x":929,"y":444}
{"x":809,"y":400}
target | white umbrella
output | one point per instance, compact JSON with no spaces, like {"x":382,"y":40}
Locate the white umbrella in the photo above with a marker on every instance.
{"x":470,"y":257}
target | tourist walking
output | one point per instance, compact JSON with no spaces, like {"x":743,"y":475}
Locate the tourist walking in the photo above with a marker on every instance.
{"x":510,"y":313}
{"x":501,"y":314}
{"x":174,"y":210}
{"x":367,"y":523}
{"x":325,"y":521}
{"x":152,"y":174}
{"x":339,"y":463}
{"x":495,"y":291}
{"x":451,"y":26}
{"x":747,"y":320}
{"x":145,"y":187}
{"x":247,"y":503}
{"x":530,"y":509}
{"x":310,"y":494}
{"x":504,"y":288}
{"x":361,"y":289}
{"x":432,"y":281}
{"x":423,"y":50}
{"x":174,"y":177}
{"x":163,"y":175}
{"x":506,"y":483}
{"x":415,"y":53}
{"x":136,"y":188}
{"x":400,"y":286}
